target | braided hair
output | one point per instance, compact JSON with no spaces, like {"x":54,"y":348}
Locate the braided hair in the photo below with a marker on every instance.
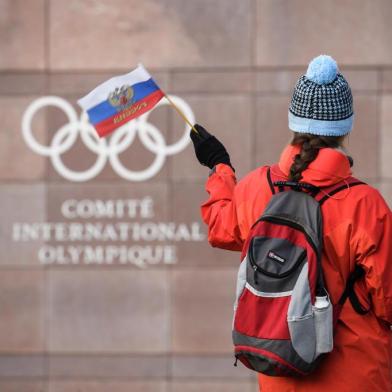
{"x":310,"y":147}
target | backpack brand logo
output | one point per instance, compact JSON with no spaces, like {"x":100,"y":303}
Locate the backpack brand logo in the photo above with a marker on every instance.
{"x":272,"y":255}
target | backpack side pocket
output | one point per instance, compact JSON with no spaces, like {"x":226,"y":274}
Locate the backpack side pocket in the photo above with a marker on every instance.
{"x":300,"y":319}
{"x":241,"y":282}
{"x":323,"y":322}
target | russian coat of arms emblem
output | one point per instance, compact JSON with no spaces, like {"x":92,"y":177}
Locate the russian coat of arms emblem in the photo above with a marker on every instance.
{"x":122,"y":97}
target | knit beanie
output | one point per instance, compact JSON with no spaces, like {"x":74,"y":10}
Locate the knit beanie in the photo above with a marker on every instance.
{"x":322,"y":103}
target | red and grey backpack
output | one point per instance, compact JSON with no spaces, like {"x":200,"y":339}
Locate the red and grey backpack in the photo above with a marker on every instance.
{"x":283,"y":319}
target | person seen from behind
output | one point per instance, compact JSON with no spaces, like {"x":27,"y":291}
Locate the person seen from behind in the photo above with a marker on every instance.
{"x":356,"y":236}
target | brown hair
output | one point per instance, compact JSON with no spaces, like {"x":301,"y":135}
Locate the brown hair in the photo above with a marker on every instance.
{"x":310,"y":147}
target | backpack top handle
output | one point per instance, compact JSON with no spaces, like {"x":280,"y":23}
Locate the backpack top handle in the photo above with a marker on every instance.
{"x":297,"y":186}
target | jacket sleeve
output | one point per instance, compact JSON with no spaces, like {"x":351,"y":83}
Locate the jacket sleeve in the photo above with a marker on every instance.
{"x":219,"y":212}
{"x":374,"y":254}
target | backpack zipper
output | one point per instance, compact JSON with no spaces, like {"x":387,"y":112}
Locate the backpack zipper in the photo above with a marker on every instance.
{"x":285,"y":222}
{"x":256,"y":268}
{"x":291,"y":223}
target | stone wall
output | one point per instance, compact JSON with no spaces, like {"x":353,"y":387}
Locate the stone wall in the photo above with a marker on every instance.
{"x":67,"y":327}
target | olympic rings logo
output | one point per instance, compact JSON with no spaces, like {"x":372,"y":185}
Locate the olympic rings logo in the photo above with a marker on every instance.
{"x":106,"y":149}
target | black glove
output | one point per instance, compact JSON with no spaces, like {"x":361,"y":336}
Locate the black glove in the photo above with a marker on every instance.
{"x":209,"y":150}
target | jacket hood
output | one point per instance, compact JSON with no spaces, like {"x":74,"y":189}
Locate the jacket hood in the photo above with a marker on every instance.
{"x":330,"y":166}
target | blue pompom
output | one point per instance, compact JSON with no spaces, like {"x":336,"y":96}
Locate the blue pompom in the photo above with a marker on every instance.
{"x":322,"y":69}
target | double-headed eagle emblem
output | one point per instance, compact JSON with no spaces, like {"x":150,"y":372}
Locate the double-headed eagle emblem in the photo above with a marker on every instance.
{"x":122,"y":97}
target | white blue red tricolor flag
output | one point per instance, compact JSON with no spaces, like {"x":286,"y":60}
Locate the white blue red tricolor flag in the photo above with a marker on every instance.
{"x":121,"y":99}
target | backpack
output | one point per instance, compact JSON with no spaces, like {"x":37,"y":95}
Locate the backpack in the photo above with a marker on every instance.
{"x":283,"y":317}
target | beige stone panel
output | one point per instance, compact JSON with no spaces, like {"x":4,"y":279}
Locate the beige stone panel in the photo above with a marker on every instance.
{"x":135,"y":157}
{"x":20,"y":204}
{"x":21,"y":366}
{"x":22,"y":83}
{"x":186,"y":200}
{"x":293,"y":32}
{"x":386,"y":80}
{"x":116,"y":311}
{"x":208,"y":368}
{"x":22,"y":386}
{"x":283,"y":81}
{"x":386,"y":191}
{"x":277,"y":81}
{"x":386,"y":136}
{"x":22,"y":29}
{"x":364,"y":141}
{"x":202,"y":323}
{"x":22,"y":304}
{"x":212,"y":82}
{"x":362,"y":80}
{"x":108,"y":366}
{"x":106,"y":386}
{"x":229,"y":118}
{"x":222,"y":386}
{"x":17,"y":160}
{"x":272,"y":132}
{"x":98,"y":34}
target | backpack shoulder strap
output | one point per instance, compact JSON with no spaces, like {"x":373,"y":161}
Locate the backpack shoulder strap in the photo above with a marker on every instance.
{"x":269,"y":179}
{"x":275,"y":175}
{"x":358,"y":272}
{"x":349,"y":291}
{"x":327,"y":192}
{"x":278,"y":181}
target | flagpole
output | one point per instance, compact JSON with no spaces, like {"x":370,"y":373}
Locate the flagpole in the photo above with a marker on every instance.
{"x":180,"y":112}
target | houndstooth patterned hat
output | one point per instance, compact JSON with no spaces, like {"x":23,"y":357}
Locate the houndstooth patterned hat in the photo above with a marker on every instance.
{"x":322,"y":103}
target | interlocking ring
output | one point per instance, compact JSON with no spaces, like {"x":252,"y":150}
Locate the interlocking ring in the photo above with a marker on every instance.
{"x":106,"y":149}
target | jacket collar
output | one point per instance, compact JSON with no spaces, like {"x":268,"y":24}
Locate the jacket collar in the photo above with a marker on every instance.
{"x":330,"y":166}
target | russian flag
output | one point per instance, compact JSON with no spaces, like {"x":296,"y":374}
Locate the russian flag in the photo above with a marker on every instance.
{"x":121,"y":99}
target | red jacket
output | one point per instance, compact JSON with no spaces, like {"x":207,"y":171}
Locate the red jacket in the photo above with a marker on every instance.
{"x":357,"y":226}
